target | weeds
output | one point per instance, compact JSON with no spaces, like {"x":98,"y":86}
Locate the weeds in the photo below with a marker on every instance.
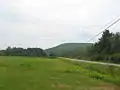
{"x":101,"y":72}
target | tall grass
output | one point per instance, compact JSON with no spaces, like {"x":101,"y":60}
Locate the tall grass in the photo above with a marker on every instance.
{"x":107,"y":73}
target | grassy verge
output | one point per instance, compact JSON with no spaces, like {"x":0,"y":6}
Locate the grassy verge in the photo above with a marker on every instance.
{"x":103,"y":72}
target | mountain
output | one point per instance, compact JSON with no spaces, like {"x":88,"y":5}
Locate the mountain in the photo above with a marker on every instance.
{"x":69,"y":49}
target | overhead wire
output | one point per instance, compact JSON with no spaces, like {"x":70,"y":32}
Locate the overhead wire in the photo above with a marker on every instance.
{"x":106,"y":28}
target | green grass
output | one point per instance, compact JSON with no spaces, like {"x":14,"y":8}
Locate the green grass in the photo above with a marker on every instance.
{"x":108,"y":73}
{"x":27,"y":73}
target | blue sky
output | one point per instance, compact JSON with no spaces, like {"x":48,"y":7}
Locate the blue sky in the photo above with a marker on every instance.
{"x":47,"y":23}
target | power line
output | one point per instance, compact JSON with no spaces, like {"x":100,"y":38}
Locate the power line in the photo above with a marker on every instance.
{"x":113,"y":23}
{"x":105,"y":29}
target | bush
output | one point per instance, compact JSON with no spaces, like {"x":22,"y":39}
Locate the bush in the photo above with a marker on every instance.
{"x":98,"y":57}
{"x":115,"y":58}
{"x":78,"y":57}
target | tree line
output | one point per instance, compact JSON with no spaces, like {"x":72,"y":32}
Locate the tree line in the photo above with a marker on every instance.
{"x":107,"y":48}
{"x":34,"y":52}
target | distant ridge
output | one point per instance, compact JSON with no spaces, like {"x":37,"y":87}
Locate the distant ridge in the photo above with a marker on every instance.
{"x":66,"y":49}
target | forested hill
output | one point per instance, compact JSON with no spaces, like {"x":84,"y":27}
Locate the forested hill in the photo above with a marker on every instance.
{"x":69,"y":49}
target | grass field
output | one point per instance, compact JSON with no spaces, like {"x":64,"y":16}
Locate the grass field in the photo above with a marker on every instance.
{"x":27,"y":73}
{"x":107,"y":73}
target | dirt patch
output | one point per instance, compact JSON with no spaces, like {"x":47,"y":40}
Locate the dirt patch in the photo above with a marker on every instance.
{"x":107,"y":87}
{"x":61,"y":86}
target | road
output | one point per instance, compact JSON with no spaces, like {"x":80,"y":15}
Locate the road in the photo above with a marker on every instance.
{"x":93,"y":62}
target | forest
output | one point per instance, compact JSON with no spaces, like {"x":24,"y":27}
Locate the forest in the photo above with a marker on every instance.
{"x":107,"y":48}
{"x":34,"y":52}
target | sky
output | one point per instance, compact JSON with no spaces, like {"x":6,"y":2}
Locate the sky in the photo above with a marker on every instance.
{"x":47,"y":23}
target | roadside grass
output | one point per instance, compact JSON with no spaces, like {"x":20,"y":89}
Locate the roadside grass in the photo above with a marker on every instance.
{"x":27,"y":73}
{"x":106,"y":73}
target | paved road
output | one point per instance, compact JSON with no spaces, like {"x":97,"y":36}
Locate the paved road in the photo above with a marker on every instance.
{"x":86,"y":61}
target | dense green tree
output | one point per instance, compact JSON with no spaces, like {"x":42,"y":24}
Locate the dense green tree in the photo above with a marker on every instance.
{"x":115,"y":43}
{"x":107,"y":48}
{"x":103,"y":46}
